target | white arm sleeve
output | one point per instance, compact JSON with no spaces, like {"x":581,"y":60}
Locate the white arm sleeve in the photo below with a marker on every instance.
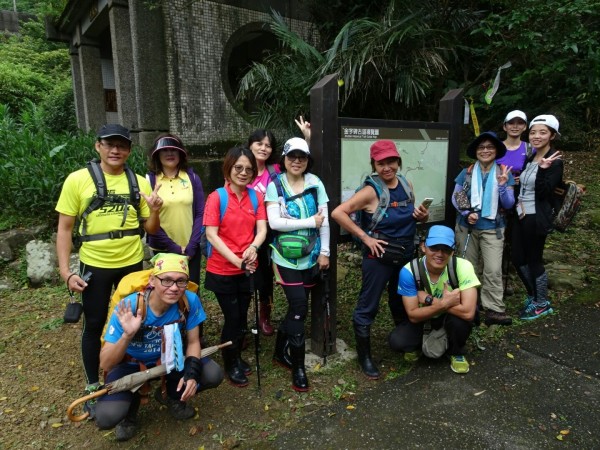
{"x":278,"y":223}
{"x":324,"y":231}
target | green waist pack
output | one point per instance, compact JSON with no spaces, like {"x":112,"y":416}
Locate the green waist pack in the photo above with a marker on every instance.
{"x":293,"y":246}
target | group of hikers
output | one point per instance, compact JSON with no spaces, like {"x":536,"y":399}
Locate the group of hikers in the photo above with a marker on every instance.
{"x":270,"y":221}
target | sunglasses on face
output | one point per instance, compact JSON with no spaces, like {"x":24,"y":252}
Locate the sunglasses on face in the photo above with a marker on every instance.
{"x":297,"y":157}
{"x":486,"y":147}
{"x":239,"y":169}
{"x":441,"y":248}
{"x":121,"y":146}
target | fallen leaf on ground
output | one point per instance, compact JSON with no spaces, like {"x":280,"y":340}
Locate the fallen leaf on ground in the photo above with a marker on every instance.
{"x":510,"y":355}
{"x":565,"y":432}
{"x":350,"y":407}
{"x":57,"y":425}
{"x":479,"y":393}
{"x":559,"y":437}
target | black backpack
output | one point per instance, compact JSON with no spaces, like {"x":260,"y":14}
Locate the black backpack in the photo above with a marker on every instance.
{"x":101,"y":197}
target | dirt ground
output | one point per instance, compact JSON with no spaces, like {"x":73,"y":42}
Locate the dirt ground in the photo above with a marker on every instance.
{"x":41,"y":374}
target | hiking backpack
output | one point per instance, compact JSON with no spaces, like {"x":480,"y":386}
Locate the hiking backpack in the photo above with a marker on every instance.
{"x":205,"y":246}
{"x":567,"y":201}
{"x":383,"y":194}
{"x":101,"y":197}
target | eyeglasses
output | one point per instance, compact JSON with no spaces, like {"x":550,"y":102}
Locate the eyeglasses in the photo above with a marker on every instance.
{"x":441,"y":248}
{"x":302,"y":157}
{"x":239,"y":169}
{"x":167,"y":282}
{"x":119,"y":146}
{"x":486,"y":147}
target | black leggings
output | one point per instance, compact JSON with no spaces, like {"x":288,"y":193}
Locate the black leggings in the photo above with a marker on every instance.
{"x":95,"y":299}
{"x":296,"y":285}
{"x":235,"y":311}
{"x":528,"y":245}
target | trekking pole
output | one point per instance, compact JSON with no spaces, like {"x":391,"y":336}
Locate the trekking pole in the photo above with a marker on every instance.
{"x":328,"y":337}
{"x":255,"y":328}
{"x":464,"y":252}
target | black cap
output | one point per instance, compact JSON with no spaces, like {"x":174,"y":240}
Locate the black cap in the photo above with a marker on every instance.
{"x":113,"y":129}
{"x":490,"y":136}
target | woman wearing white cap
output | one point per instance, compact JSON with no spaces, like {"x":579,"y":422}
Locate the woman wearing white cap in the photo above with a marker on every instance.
{"x":297,"y":210}
{"x":515,"y":123}
{"x":183,"y":202}
{"x":543,"y":171}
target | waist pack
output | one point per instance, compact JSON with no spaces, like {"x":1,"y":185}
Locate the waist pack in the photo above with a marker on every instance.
{"x":293,"y":246}
{"x":394,"y":253}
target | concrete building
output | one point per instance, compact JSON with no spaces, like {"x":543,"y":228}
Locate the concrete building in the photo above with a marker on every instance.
{"x":168,"y":65}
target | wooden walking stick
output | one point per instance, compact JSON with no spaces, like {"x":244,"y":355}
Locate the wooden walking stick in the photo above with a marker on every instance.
{"x":131,"y":382}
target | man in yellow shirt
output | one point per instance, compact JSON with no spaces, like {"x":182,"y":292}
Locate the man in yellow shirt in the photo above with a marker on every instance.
{"x":110,"y":235}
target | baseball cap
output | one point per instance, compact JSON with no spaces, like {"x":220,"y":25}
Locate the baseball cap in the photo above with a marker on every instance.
{"x":440,"y":234}
{"x":516,"y":114}
{"x":490,"y":136}
{"x":295,"y":143}
{"x":384,"y":149}
{"x":113,"y":129}
{"x":546,"y":119}
{"x":168,"y":142}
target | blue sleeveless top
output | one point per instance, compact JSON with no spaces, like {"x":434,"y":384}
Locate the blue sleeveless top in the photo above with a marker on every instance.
{"x":398,"y":221}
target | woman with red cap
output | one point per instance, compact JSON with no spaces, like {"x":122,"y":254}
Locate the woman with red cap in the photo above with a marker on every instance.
{"x":183,"y":207}
{"x":396,"y":229}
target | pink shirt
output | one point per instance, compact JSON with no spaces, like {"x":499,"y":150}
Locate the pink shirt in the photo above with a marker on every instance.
{"x":261,"y":182}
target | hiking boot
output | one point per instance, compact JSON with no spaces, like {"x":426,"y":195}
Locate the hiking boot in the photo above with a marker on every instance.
{"x":534,"y":311}
{"x":264,"y":320}
{"x":497,"y":318}
{"x":125,"y":429}
{"x":177,"y":409}
{"x":90,"y":406}
{"x":459,"y":364}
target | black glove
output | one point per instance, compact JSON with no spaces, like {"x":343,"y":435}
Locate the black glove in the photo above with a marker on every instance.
{"x":192,"y":368}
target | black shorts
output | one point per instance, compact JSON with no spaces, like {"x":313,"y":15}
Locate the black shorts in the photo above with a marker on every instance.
{"x":228,"y":284}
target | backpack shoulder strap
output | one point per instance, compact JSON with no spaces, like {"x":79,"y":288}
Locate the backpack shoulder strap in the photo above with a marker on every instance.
{"x":134,"y":188}
{"x":383,"y":194}
{"x":184,"y":306}
{"x":142,"y":303}
{"x":272,"y":173}
{"x":223,"y":200}
{"x":99,"y":180}
{"x":414,"y":267}
{"x":452,"y":274}
{"x":406,"y":186}
{"x":253,"y":199}
{"x":423,"y":276}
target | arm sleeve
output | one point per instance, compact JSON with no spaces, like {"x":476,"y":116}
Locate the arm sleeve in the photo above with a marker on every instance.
{"x":278,"y":223}
{"x":324,"y":231}
{"x":507,"y":196}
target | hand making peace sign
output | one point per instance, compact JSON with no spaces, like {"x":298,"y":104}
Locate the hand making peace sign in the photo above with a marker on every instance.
{"x":547,"y":162}
{"x":153,"y":200}
{"x":503,"y":177}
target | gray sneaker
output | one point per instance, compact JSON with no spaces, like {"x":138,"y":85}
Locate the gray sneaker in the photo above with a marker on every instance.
{"x":125,"y":429}
{"x":177,"y":409}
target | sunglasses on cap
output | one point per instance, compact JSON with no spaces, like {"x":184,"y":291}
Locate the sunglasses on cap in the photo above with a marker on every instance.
{"x":441,"y":248}
{"x":168,"y":142}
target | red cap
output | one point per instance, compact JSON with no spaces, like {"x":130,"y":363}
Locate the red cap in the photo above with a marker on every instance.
{"x":384,"y":149}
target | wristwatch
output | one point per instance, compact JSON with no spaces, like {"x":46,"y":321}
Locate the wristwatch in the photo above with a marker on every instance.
{"x":428,"y":300}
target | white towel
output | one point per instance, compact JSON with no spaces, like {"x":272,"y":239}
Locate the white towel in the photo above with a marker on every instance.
{"x":485,"y":201}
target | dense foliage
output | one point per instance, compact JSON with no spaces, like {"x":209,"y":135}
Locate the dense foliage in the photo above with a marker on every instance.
{"x":34,"y":161}
{"x":397,"y":60}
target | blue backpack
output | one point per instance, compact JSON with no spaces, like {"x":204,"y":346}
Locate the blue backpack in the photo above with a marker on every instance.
{"x":205,"y":246}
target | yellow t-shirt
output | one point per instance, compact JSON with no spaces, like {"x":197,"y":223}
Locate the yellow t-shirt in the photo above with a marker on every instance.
{"x":77,"y":193}
{"x":177,"y":211}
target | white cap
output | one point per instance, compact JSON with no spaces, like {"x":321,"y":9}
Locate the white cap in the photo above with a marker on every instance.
{"x":546,"y":119}
{"x":515,"y":114}
{"x":295,"y":143}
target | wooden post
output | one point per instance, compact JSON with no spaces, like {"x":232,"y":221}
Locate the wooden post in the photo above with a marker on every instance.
{"x":324,"y":147}
{"x":451,"y":111}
